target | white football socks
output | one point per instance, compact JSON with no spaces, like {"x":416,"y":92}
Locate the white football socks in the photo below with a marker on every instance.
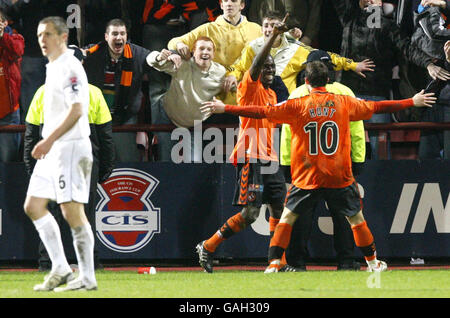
{"x":83,"y":242}
{"x":50,"y":235}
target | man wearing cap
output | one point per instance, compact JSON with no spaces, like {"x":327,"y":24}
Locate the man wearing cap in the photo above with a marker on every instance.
{"x":297,"y":253}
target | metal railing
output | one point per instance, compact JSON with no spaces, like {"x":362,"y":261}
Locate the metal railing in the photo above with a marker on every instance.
{"x":382,"y":129}
{"x":168,"y":128}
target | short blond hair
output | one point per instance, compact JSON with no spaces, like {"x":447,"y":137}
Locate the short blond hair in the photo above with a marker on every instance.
{"x":58,"y":22}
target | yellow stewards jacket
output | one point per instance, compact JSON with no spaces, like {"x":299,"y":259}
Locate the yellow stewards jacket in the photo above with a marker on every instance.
{"x":100,"y":122}
{"x":98,"y":109}
{"x":357,"y":133}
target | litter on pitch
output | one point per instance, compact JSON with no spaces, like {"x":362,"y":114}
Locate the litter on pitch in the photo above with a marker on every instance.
{"x":147,"y":270}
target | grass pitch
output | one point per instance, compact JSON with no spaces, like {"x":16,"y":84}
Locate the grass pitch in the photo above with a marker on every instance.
{"x":243,"y":284}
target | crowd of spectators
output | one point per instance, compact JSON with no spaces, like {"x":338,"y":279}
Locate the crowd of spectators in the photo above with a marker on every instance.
{"x":373,"y":39}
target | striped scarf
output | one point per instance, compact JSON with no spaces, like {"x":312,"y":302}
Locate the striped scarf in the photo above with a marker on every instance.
{"x":121,"y":103}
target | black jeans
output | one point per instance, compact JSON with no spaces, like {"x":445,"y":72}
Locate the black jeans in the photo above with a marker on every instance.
{"x":435,"y":144}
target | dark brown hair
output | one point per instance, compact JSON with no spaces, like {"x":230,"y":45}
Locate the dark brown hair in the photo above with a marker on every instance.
{"x":316,"y":73}
{"x":117,"y":23}
{"x":273,"y":15}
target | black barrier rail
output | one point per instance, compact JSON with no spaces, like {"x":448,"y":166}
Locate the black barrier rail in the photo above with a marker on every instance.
{"x":167,"y":128}
{"x":382,"y":129}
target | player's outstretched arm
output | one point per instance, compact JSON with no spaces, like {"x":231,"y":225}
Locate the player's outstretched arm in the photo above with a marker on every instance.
{"x":216,"y":106}
{"x":368,"y":108}
{"x":423,"y":99}
{"x":366,"y":65}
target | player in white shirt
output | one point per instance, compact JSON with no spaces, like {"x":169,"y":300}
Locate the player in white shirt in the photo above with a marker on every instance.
{"x":64,"y":161}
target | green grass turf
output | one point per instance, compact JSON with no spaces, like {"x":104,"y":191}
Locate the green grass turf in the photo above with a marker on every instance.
{"x":244,"y":284}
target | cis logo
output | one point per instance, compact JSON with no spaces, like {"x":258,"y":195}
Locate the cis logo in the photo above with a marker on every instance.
{"x":126,"y":220}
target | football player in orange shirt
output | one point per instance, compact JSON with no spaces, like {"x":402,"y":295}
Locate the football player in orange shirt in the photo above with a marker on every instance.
{"x":321,"y":163}
{"x":259,"y":179}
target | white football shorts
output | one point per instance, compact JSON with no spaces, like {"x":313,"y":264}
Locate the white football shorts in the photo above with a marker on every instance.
{"x":64,"y":174}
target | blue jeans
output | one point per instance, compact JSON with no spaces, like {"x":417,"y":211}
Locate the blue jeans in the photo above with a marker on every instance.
{"x":373,"y":135}
{"x":10,"y":142}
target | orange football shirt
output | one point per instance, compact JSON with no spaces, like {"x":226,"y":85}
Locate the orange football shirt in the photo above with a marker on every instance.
{"x":320,"y":125}
{"x":255,"y":135}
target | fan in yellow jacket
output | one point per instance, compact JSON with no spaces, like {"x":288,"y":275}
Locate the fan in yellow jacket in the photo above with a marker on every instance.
{"x":289,"y":56}
{"x":229,"y":39}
